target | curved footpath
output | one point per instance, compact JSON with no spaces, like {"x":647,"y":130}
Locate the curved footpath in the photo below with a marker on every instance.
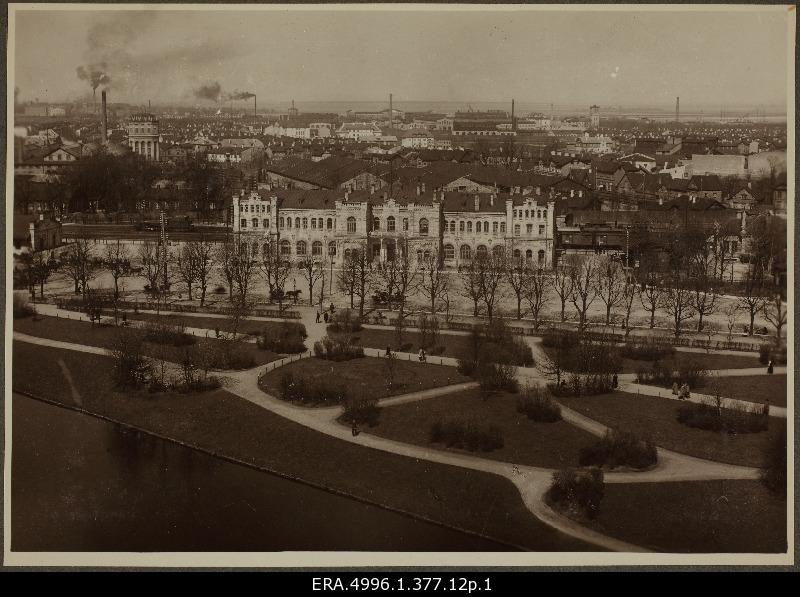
{"x":532,"y":482}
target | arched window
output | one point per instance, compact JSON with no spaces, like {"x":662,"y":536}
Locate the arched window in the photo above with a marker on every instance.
{"x":330,"y":223}
{"x":316,"y":248}
{"x":502,"y":227}
{"x":517,"y":254}
{"x":297,"y":222}
{"x":528,"y":255}
{"x":497,"y":250}
{"x":405,"y":224}
{"x":313,"y":223}
{"x":449,"y":251}
{"x":332,"y":249}
{"x":376,"y":223}
{"x":465,"y":252}
{"x":461,"y":226}
{"x":541,"y":257}
{"x":390,"y":224}
{"x":347,"y":253}
{"x":351,"y":225}
{"x":482,"y":251}
{"x":288,"y":222}
{"x":419,"y":255}
{"x":538,"y":213}
{"x":301,"y":247}
{"x":469,"y":226}
{"x":255,"y":222}
{"x":426,"y":255}
{"x":486,"y":226}
{"x":266,"y":222}
{"x":452,"y":226}
{"x":423,"y":226}
{"x":286,"y":247}
{"x":280,"y":223}
{"x":494,"y":227}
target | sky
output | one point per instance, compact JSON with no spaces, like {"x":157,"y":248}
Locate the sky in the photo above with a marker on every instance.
{"x":709,"y":59}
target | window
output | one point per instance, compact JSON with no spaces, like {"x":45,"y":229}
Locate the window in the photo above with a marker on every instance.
{"x":332,"y":248}
{"x":529,"y":229}
{"x":419,"y":255}
{"x":243,"y":223}
{"x":482,"y":251}
{"x":486,"y":226}
{"x":528,"y":255}
{"x":313,"y":223}
{"x":286,"y":247}
{"x":390,"y":224}
{"x":376,"y":223}
{"x":330,"y":223}
{"x":288,"y":222}
{"x":452,"y":226}
{"x":461,"y":226}
{"x":465,"y":252}
{"x":280,"y":223}
{"x":316,"y":248}
{"x":351,"y":225}
{"x":517,"y":254}
{"x":541,"y":257}
{"x":405,"y":224}
{"x":297,"y":222}
{"x":539,"y":214}
{"x":544,"y":213}
{"x":449,"y":251}
{"x":494,"y":227}
{"x":526,"y":213}
{"x":426,"y":255}
{"x":469,"y":226}
{"x":301,"y":247}
{"x":423,"y":226}
{"x":541,"y":230}
{"x":266,"y":222}
{"x":497,"y":250}
{"x":255,"y":222}
{"x":516,"y":229}
{"x":503,"y":227}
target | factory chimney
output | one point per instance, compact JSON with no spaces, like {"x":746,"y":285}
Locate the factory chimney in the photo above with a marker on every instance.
{"x":391,"y":112}
{"x":104,"y":119}
{"x":677,"y":109}
{"x":513,"y":122}
{"x":255,"y":106}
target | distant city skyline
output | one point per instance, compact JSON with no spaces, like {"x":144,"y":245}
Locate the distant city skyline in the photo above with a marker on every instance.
{"x":634,"y":59}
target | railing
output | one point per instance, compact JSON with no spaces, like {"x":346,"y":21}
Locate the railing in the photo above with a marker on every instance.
{"x":78,"y":304}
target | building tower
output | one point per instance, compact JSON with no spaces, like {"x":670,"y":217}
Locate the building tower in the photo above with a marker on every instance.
{"x":594,"y":117}
{"x":293,"y":112}
{"x":143,"y":136}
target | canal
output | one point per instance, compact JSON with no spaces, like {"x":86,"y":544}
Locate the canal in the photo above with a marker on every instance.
{"x":83,"y":484}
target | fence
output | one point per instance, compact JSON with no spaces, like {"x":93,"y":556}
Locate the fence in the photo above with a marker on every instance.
{"x":105,"y":302}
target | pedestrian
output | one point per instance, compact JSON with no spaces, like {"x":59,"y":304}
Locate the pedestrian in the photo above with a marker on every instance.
{"x":332,"y":308}
{"x":770,"y":368}
{"x":685,"y":391}
{"x":675,"y":388}
{"x":355,"y":429}
{"x":421,"y":355}
{"x":765,"y":410}
{"x":388,"y":351}
{"x":614,"y":381}
{"x":325,"y":316}
{"x":317,"y":316}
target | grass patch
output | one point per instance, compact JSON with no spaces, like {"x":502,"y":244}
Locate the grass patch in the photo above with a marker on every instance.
{"x":694,"y":516}
{"x":455,"y":346}
{"x":365,"y":376}
{"x":552,"y":445}
{"x":247,"y":327}
{"x":103,"y":336}
{"x":656,"y":418}
{"x":753,"y":388}
{"x":226,"y":424}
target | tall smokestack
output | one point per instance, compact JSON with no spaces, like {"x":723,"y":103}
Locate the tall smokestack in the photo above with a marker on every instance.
{"x":513,"y":123}
{"x":391,"y":112}
{"x":255,"y":106}
{"x":677,"y":109}
{"x":104,"y":117}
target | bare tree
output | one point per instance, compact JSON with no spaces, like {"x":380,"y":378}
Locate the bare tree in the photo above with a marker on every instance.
{"x":704,"y":298}
{"x":774,"y":311}
{"x":313,"y":271}
{"x":204,"y":261}
{"x":118,"y":262}
{"x":536,"y":295}
{"x":153,"y":263}
{"x":433,"y":280}
{"x":677,"y":301}
{"x":275,"y":268}
{"x":518,"y":274}
{"x":562,"y":283}
{"x":731,"y":311}
{"x":244,"y":267}
{"x":364,"y":276}
{"x":40,"y":267}
{"x":347,"y":278}
{"x":472,"y":289}
{"x":80,"y":264}
{"x":186,"y":265}
{"x":491,"y":270}
{"x":752,"y":299}
{"x":407,"y":282}
{"x":584,"y":287}
{"x":650,"y":297}
{"x":226,"y":255}
{"x":610,"y":284}
{"x":629,"y":292}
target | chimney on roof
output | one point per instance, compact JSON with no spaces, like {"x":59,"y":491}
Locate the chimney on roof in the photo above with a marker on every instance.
{"x":372,"y":189}
{"x":423,"y":188}
{"x":477,"y":203}
{"x":417,"y":189}
{"x":491,"y":200}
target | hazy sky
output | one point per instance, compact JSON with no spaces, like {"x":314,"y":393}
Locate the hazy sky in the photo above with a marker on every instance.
{"x":574,"y":57}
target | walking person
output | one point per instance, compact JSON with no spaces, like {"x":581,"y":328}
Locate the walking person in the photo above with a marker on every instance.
{"x":770,"y":367}
{"x":355,"y":429}
{"x":325,"y":316}
{"x":317,"y":316}
{"x":675,"y":388}
{"x":614,"y":381}
{"x":421,"y":355}
{"x":388,"y":351}
{"x":765,"y":410}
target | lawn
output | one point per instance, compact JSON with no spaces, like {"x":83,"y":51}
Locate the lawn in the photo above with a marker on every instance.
{"x":228,"y":425}
{"x":655,"y":418}
{"x":366,"y":376}
{"x":83,"y":332}
{"x":552,"y":445}
{"x":455,"y":346}
{"x":753,"y":388}
{"x":695,"y":516}
{"x":224,"y":324}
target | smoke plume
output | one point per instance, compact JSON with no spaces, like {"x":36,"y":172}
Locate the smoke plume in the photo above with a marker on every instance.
{"x":95,"y":74}
{"x":209,"y":91}
{"x":241,"y":95}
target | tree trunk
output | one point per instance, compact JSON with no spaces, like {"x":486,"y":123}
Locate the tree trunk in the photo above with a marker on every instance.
{"x":519,"y":307}
{"x":752,"y":321}
{"x":700,"y":322}
{"x":652,"y":319}
{"x":608,"y":314}
{"x":563,"y":310}
{"x":202,"y":294}
{"x":475,"y":307}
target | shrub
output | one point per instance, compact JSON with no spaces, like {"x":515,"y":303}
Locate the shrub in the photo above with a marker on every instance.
{"x":537,"y":404}
{"x":288,"y":338}
{"x":579,"y":493}
{"x":770,"y":352}
{"x":647,"y":351}
{"x":773,"y":475}
{"x":130,"y":368}
{"x":200,"y":385}
{"x":712,"y":417}
{"x":619,"y":448}
{"x":466,"y":434}
{"x":220,"y":290}
{"x":493,"y":377}
{"x":337,"y":350}
{"x":292,"y":389}
{"x":345,"y":321}
{"x":22,"y":308}
{"x":467,"y":366}
{"x":164,"y":332}
{"x":361,"y":411}
{"x":500,"y":345}
{"x":560,"y":339}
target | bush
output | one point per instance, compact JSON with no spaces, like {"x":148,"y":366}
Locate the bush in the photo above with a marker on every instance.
{"x":130,"y":367}
{"x":288,"y":338}
{"x":361,"y":411}
{"x":466,"y":434}
{"x":712,"y":417}
{"x":647,"y":351}
{"x":773,"y":475}
{"x":345,"y":321}
{"x":537,"y":404}
{"x":337,"y":350}
{"x":467,"y":366}
{"x":320,"y":392}
{"x":619,"y":448}
{"x":220,"y":290}
{"x":583,"y":384}
{"x":494,"y":377}
{"x":770,"y":352}
{"x":560,"y":339}
{"x":500,"y":345}
{"x":163,"y":332}
{"x":665,"y":373}
{"x":22,"y":308}
{"x":579,"y":493}
{"x":200,"y":385}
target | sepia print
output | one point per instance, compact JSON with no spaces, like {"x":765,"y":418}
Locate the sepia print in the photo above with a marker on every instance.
{"x":349,"y":285}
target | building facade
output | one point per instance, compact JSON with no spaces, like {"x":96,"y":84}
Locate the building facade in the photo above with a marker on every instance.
{"x":143,"y":136}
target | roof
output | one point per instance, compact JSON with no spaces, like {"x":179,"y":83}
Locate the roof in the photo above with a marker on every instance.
{"x":328,"y":173}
